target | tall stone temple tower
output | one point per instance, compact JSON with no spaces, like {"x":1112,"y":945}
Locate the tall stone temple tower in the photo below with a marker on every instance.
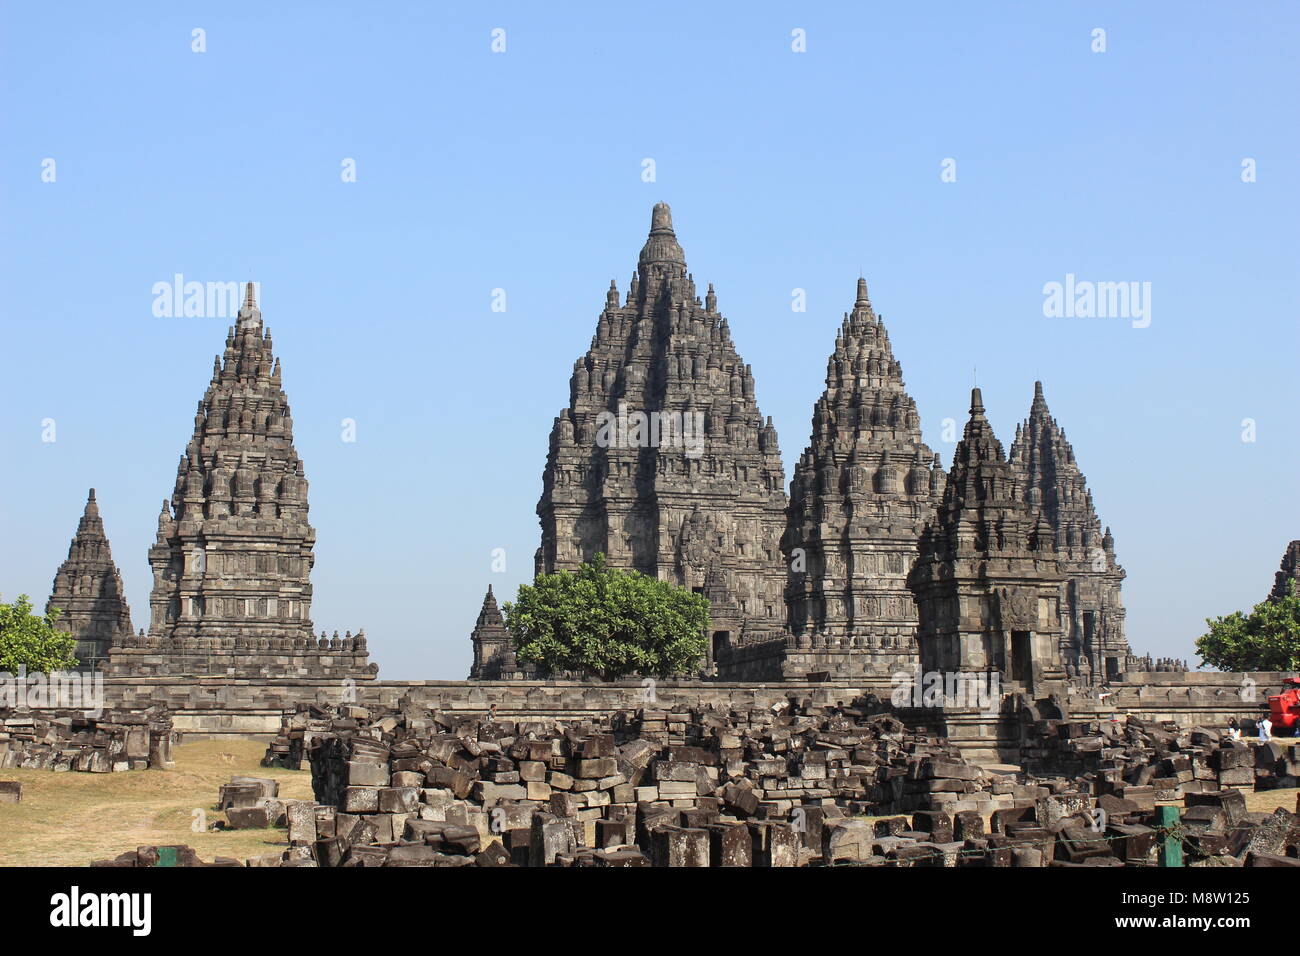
{"x":862,"y":492}
{"x":662,"y":460}
{"x":1093,"y":646}
{"x":986,"y":580}
{"x":233,"y":556}
{"x":88,"y":591}
{"x":494,"y":653}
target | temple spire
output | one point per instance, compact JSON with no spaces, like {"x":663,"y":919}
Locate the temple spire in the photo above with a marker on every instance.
{"x":667,"y":352}
{"x":1039,"y":403}
{"x":494,"y":655}
{"x":862,"y":301}
{"x":240,"y":505}
{"x":88,"y":591}
{"x":249,"y":314}
{"x":661,"y":247}
{"x":1049,"y":479}
{"x":859,"y":500}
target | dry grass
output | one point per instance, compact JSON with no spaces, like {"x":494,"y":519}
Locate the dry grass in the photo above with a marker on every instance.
{"x":1266,"y":801}
{"x":70,"y":819}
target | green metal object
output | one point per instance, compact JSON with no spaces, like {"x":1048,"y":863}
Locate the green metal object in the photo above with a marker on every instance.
{"x":1171,"y":836}
{"x":167,"y":856}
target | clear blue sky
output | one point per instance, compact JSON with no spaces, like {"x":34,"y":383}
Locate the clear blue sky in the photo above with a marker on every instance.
{"x":522,"y":170}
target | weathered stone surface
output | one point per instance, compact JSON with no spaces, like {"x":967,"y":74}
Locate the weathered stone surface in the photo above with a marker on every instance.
{"x":248,"y":818}
{"x":61,"y":740}
{"x":702,"y":505}
{"x":860,"y":496}
{"x":494,"y":654}
{"x":1092,"y":641}
{"x":987,"y":581}
{"x":88,"y":592}
{"x":232,"y":561}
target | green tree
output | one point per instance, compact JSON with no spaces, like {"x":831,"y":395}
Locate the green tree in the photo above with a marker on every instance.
{"x":1266,"y":639}
{"x":608,"y":622}
{"x":30,"y":640}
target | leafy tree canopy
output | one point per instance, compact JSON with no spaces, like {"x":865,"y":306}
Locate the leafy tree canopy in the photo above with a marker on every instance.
{"x":30,"y":640}
{"x":1266,"y":639}
{"x":608,"y":622}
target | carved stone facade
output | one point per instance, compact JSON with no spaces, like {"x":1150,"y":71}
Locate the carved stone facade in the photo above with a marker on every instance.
{"x":1093,"y":646}
{"x":662,"y":460}
{"x":494,"y":653}
{"x":88,"y":591}
{"x":986,"y":580}
{"x":234,"y":550}
{"x":630,"y":473}
{"x":861,"y":494}
{"x":233,"y":556}
{"x":1289,"y":571}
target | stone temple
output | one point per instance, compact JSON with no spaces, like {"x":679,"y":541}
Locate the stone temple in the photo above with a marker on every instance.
{"x":494,"y":653}
{"x":233,"y":557}
{"x":860,"y":496}
{"x":88,"y":591}
{"x":234,"y":549}
{"x":1093,"y":645}
{"x":816,"y":587}
{"x":987,"y":580}
{"x":662,"y":460}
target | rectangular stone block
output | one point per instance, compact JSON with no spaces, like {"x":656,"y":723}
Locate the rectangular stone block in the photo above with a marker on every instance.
{"x":677,"y":846}
{"x":361,"y":800}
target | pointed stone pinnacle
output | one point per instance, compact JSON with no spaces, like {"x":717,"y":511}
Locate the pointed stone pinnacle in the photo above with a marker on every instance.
{"x":661,"y":247}
{"x":1039,"y":403}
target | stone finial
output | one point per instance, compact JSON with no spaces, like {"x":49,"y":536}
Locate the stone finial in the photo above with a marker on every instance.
{"x":249,"y":314}
{"x":661,"y":220}
{"x":661,"y":247}
{"x":862,"y":301}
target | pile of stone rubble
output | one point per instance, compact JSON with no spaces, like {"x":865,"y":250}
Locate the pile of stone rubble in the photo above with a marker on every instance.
{"x":1111,"y":754}
{"x":70,"y":740}
{"x":694,"y":787}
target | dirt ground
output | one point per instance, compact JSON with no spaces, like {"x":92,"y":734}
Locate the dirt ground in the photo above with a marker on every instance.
{"x":70,"y":819}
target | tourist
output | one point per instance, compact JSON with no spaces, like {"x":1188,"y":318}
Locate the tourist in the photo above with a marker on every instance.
{"x":1265,"y":728}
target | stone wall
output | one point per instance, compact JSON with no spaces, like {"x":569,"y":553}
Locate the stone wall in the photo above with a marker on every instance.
{"x":224,"y":706}
{"x":276,"y":658}
{"x":219,"y":707}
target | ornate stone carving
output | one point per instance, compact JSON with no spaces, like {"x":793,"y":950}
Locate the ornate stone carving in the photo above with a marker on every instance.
{"x":1092,"y":609}
{"x":88,"y":591}
{"x":662,"y":460}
